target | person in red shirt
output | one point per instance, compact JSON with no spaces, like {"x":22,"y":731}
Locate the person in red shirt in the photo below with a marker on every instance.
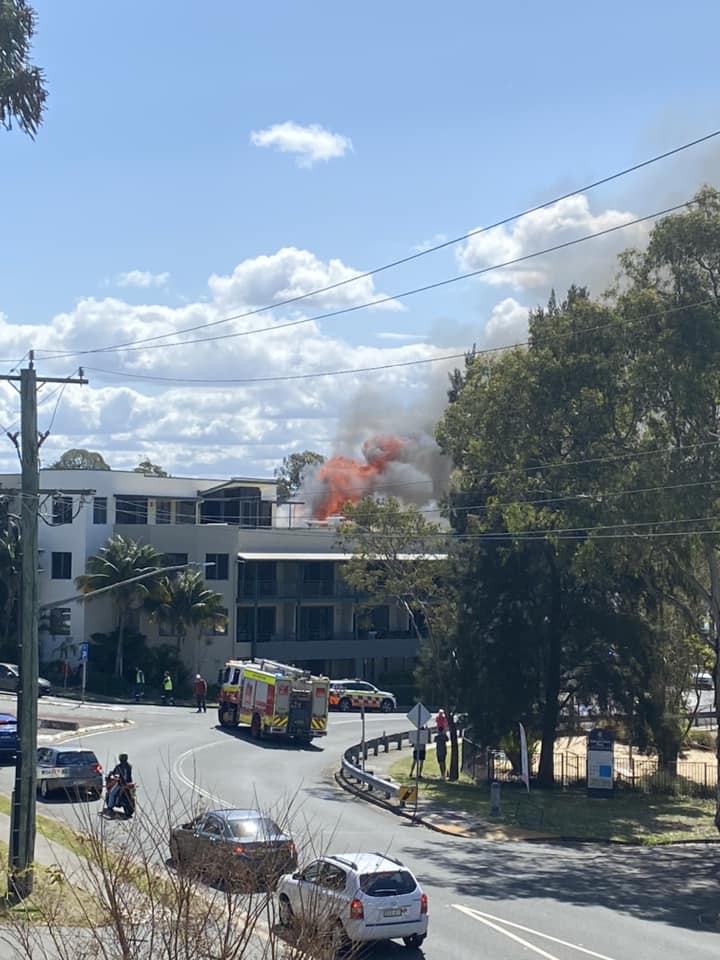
{"x":200,"y":693}
{"x":441,"y":722}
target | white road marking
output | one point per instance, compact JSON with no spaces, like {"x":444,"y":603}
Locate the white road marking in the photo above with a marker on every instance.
{"x":177,"y":770}
{"x":487,"y":919}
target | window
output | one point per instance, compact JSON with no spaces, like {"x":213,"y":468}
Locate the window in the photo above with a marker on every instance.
{"x":213,"y":826}
{"x":185,"y":511}
{"x":61,"y":566}
{"x":99,"y":509}
{"x":318,"y":579}
{"x":258,"y":579}
{"x":388,"y":883}
{"x":163,"y":511}
{"x":218,"y":629}
{"x":131,"y":510}
{"x":220,"y":568}
{"x":255,"y":624}
{"x":60,"y":621}
{"x":316,"y":623}
{"x":62,"y":510}
{"x":312,"y":873}
{"x":333,"y":877}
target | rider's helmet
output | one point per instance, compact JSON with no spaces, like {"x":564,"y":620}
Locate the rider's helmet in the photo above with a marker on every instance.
{"x":123,"y":758}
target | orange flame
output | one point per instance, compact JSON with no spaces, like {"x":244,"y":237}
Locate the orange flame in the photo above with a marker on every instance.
{"x":346,"y":479}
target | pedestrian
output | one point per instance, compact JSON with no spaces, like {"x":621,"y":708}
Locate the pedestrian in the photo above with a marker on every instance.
{"x":200,"y":692}
{"x":441,"y":739}
{"x":441,"y":721}
{"x":139,"y":684}
{"x":418,"y":758}
{"x":167,"y":686}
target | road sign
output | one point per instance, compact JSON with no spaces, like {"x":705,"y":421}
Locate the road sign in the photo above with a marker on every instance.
{"x":419,"y":715}
{"x":419,"y":737}
{"x":407,"y":795}
{"x":84,"y":648}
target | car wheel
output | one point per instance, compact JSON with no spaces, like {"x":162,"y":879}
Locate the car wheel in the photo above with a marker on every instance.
{"x":44,"y":789}
{"x":345,"y":705}
{"x":387,"y":706}
{"x":339,"y":942}
{"x":285,"y":912}
{"x":415,"y":941}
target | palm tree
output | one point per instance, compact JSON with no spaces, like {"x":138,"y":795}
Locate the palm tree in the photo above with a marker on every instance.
{"x":120,"y":560}
{"x":184,"y":603}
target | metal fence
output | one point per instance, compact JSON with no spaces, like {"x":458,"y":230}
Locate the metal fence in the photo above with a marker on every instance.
{"x":684,"y":778}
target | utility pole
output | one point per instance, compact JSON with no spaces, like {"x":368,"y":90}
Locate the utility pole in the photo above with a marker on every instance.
{"x":22,"y":823}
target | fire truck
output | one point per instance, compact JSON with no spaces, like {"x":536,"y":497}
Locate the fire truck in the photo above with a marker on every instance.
{"x":273,"y":698}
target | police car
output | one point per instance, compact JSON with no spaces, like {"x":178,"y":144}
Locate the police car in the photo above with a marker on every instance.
{"x":353,"y":694}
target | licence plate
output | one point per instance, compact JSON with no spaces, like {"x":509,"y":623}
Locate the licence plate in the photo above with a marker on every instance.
{"x":393,"y":912}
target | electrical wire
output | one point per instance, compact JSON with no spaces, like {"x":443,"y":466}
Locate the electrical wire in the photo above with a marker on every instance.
{"x":147,"y":345}
{"x":422,"y":253}
{"x":485,"y":351}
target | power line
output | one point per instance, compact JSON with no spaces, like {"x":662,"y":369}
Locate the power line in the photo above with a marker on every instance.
{"x":284,"y":378}
{"x":147,"y":345}
{"x":411,"y":257}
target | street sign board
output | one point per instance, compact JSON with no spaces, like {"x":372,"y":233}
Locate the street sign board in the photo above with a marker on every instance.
{"x":84,"y":649}
{"x":419,"y":715}
{"x":419,"y":737}
{"x":600,"y":763}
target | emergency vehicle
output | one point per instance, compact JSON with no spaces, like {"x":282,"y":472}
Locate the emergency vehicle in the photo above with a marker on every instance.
{"x":353,"y":694}
{"x":273,"y":698}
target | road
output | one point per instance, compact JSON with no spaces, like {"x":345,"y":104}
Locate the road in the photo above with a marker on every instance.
{"x":503,"y":901}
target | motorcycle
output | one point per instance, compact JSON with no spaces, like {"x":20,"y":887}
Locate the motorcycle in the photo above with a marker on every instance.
{"x":125,"y":799}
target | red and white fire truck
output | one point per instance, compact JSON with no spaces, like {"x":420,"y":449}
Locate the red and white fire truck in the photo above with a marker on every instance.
{"x":273,"y":698}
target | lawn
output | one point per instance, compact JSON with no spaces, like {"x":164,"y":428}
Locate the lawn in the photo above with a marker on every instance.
{"x":627,"y":817}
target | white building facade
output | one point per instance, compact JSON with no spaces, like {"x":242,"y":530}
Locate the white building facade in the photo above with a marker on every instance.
{"x":282,"y":585}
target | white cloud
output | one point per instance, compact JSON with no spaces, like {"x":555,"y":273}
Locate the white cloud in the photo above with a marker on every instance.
{"x":141,"y":278}
{"x":309,"y":144}
{"x":507,"y":324}
{"x":400,"y":336}
{"x":432,"y":242}
{"x":591,"y":263}
{"x":293,"y":273}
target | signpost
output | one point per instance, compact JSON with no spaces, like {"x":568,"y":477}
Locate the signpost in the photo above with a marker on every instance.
{"x":84,"y":649}
{"x":600,"y":764}
{"x":418,"y":717}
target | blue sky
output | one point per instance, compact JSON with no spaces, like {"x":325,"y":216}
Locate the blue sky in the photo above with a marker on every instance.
{"x":458,"y":114}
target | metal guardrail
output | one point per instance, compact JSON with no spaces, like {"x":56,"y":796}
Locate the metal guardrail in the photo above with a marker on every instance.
{"x":351,"y":769}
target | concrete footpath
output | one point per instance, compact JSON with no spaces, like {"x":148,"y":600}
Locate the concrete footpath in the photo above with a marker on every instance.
{"x":431,"y":813}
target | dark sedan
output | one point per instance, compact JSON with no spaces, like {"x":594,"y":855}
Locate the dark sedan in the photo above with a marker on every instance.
{"x":72,"y":769}
{"x":8,"y":736}
{"x":236,"y":846}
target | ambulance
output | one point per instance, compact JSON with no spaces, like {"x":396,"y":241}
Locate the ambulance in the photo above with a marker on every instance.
{"x":273,"y":698}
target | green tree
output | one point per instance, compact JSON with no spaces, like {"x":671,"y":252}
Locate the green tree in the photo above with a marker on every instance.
{"x":121,"y":560}
{"x":399,"y":558}
{"x":185,"y":605}
{"x":22,"y":85}
{"x":290,"y":474}
{"x":79,"y":459}
{"x":150,"y":469}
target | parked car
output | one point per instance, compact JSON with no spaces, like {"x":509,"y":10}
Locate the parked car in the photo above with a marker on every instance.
{"x":348,"y":694}
{"x":72,"y":769}
{"x":10,"y":680}
{"x":8,"y":737}
{"x":703,"y":681}
{"x":236,"y":846}
{"x":355,"y":898}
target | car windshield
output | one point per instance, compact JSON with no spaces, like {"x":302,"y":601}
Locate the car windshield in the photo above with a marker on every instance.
{"x":259,"y":829}
{"x":388,"y":883}
{"x":76,"y":758}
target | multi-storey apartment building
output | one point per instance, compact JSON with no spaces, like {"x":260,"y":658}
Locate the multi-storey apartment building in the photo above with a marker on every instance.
{"x":282,"y":583}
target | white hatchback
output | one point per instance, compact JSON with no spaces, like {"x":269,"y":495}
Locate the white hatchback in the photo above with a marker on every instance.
{"x":355,"y":898}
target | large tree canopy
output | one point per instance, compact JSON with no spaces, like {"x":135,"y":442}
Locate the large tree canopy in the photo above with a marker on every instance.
{"x":22,"y":86}
{"x":80,"y":459}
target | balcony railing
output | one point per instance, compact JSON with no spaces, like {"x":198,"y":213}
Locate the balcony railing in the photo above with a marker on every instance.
{"x":308,"y":590}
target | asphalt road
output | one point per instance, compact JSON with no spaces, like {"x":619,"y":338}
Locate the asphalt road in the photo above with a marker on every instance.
{"x":503,"y":901}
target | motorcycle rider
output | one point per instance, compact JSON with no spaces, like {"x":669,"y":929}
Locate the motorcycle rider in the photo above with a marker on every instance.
{"x":123,"y":777}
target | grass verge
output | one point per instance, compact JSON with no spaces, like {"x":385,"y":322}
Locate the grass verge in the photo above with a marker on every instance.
{"x":627,"y":817}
